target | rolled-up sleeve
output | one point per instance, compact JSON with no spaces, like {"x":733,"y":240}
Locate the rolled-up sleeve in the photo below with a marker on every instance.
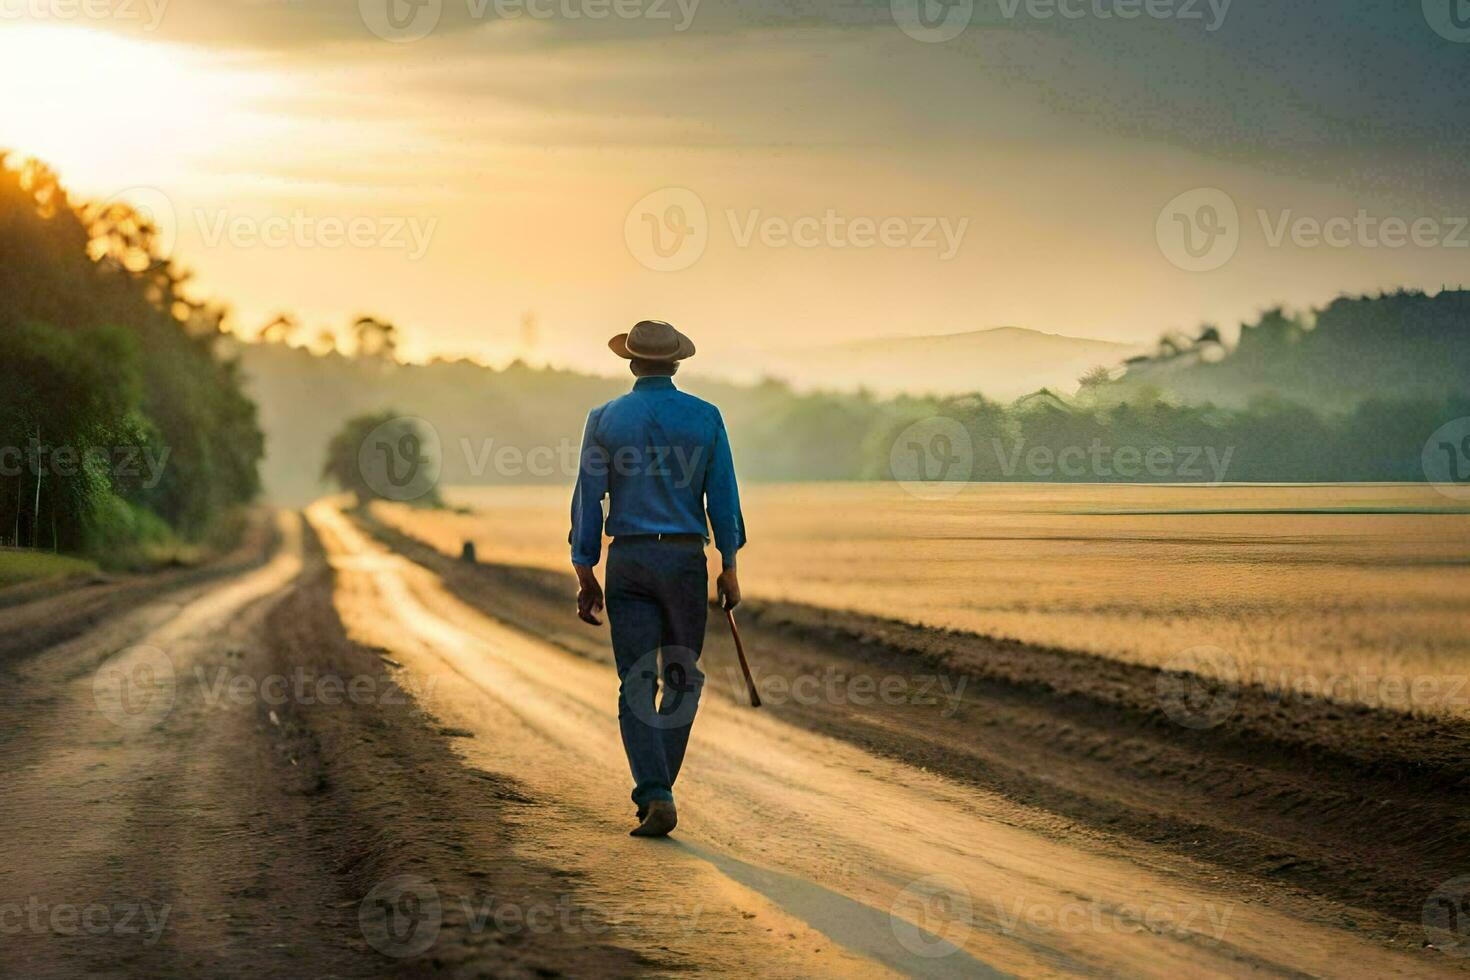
{"x":722,"y":498}
{"x":592,"y":469}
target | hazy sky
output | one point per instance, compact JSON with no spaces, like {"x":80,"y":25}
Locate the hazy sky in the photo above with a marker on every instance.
{"x":763,"y":172}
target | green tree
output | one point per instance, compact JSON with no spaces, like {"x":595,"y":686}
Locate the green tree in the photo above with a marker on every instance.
{"x":384,"y":455}
{"x":105,"y":361}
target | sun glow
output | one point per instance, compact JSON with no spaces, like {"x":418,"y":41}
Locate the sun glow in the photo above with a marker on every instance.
{"x":109,"y":112}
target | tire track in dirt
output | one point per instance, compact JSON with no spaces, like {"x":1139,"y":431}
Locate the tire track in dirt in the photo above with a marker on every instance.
{"x":191,"y":794}
{"x":1360,"y":813}
{"x":765,"y":799}
{"x":147,"y":834}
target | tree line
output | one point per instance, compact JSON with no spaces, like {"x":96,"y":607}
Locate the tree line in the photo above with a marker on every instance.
{"x":122,"y":426}
{"x":1132,"y":423}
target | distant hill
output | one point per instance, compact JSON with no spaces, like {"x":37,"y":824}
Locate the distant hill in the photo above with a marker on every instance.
{"x":1002,"y":362}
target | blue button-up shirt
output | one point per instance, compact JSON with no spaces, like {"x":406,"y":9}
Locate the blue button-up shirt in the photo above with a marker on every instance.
{"x":662,"y":458}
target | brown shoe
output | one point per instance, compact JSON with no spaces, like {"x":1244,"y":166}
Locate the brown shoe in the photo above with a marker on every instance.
{"x":658,"y":821}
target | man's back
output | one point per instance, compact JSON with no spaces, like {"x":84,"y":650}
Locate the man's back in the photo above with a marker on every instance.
{"x":662,"y":456}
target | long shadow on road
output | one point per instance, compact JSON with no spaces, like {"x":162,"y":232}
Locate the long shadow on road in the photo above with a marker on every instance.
{"x":861,"y":928}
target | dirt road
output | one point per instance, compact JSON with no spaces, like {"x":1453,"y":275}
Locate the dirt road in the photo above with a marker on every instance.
{"x":320,"y":759}
{"x":803,"y":854}
{"x":187,"y":790}
{"x":144,"y":832}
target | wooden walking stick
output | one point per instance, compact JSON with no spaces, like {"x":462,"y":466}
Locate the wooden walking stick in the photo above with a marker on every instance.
{"x":755,"y":698}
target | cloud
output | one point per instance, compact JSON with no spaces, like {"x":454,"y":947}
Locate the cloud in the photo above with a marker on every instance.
{"x":1364,"y":92}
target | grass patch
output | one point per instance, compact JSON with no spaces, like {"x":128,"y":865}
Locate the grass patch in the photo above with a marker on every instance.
{"x":18,"y":566}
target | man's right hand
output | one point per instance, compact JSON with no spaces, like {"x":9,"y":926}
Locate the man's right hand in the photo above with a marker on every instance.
{"x":727,"y":586}
{"x":589,"y":595}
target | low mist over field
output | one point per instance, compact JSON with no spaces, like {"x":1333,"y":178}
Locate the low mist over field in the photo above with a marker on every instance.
{"x":1350,"y":392}
{"x":1004,"y":363}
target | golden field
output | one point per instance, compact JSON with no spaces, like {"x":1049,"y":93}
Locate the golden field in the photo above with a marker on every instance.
{"x":1361,"y":592}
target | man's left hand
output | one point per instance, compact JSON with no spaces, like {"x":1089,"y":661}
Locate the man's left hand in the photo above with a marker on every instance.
{"x":727,"y":587}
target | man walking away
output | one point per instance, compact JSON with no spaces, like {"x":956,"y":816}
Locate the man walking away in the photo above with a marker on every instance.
{"x":663,"y":459}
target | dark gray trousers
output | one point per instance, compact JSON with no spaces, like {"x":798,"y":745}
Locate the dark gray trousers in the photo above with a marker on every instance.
{"x":657,"y":604}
